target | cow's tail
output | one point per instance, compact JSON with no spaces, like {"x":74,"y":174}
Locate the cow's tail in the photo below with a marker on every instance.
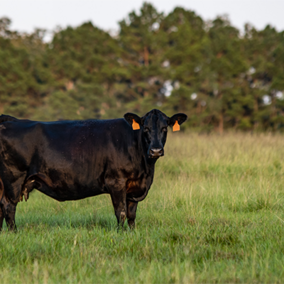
{"x":1,"y":207}
{"x":4,"y":118}
{"x":1,"y":189}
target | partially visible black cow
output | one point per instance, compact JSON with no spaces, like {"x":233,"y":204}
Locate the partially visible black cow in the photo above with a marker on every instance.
{"x":70,"y":160}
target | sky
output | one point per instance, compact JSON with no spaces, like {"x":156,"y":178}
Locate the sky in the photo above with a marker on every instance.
{"x":48,"y":14}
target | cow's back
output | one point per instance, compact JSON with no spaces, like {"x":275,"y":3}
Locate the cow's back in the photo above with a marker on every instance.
{"x":71,"y":155}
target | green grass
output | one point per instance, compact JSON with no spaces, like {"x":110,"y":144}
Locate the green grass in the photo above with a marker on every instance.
{"x":215,"y":213}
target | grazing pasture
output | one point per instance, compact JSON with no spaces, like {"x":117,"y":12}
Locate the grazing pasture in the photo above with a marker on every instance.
{"x":215,"y":213}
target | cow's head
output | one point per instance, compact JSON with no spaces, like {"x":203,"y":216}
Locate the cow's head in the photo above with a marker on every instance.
{"x":154,"y":127}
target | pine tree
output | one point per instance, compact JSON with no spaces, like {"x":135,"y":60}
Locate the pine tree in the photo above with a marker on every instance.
{"x":142,"y":43}
{"x":85,"y":64}
{"x":21,"y":85}
{"x":226,"y":68}
{"x":186,"y":57}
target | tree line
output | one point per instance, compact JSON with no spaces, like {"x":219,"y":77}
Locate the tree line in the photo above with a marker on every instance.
{"x":220,"y":77}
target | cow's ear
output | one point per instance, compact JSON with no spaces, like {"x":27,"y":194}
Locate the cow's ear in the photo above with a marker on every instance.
{"x":134,"y":120}
{"x":176,"y":120}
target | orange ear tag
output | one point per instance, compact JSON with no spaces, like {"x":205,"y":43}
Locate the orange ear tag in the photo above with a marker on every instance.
{"x":176,"y":126}
{"x":135,"y":125}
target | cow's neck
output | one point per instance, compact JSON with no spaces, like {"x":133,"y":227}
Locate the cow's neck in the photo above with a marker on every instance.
{"x":148,"y":166}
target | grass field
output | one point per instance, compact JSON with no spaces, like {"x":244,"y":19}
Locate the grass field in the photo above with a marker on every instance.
{"x":215,"y":213}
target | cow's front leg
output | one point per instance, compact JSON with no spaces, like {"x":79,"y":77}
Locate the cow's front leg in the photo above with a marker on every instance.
{"x":119,"y":203}
{"x":131,"y":213}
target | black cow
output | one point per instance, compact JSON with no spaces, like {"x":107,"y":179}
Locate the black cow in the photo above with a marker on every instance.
{"x":70,"y":160}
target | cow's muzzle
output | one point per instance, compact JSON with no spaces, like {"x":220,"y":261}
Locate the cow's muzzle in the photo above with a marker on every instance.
{"x":156,"y":152}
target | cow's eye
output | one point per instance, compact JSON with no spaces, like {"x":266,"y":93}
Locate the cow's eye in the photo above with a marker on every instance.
{"x":164,"y":129}
{"x":146,"y":129}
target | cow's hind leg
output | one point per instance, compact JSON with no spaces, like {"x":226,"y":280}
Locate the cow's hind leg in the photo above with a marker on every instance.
{"x":1,"y":206}
{"x":10,"y":212}
{"x":1,"y":218}
{"x":131,"y":213}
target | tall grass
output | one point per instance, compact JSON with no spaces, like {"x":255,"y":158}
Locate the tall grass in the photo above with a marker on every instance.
{"x":214,"y":214}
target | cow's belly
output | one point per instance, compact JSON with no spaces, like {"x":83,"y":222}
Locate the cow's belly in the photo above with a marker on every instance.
{"x":64,"y":189}
{"x":64,"y":194}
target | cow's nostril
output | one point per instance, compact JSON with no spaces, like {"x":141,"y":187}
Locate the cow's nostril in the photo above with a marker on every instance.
{"x":156,"y":151}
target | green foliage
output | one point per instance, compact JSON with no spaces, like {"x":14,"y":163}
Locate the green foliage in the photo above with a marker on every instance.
{"x":176,"y":62}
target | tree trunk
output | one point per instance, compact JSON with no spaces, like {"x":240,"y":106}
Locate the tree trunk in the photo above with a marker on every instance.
{"x":255,"y":108}
{"x":146,"y":56}
{"x":221,"y":123}
{"x":198,"y":108}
